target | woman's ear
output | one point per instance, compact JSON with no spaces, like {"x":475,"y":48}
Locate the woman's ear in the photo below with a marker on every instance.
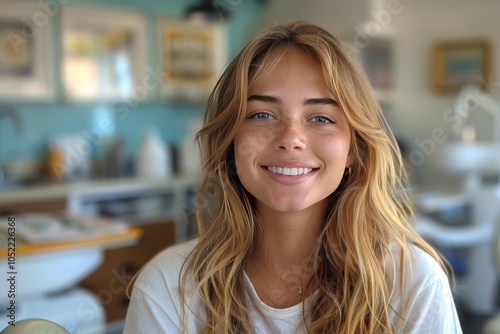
{"x":349,"y":160}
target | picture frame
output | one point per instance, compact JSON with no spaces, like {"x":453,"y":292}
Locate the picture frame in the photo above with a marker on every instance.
{"x":458,"y":63}
{"x":104,"y":54}
{"x":26,"y":53}
{"x":192,"y":56}
{"x":377,"y":59}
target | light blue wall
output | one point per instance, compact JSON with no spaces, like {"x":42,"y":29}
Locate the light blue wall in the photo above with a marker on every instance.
{"x":48,"y":120}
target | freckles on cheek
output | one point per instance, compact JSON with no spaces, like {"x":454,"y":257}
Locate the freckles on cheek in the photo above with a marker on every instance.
{"x":249,"y":143}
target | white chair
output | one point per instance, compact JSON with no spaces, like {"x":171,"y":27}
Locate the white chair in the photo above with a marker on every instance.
{"x":34,"y":326}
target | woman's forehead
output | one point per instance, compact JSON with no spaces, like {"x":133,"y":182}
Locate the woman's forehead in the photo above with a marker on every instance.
{"x":289,"y":59}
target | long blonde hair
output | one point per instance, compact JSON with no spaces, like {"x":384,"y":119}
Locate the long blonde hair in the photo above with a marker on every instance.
{"x":366,"y":214}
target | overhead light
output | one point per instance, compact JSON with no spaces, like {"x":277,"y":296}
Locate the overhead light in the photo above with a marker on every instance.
{"x":214,"y":9}
{"x":208,"y":10}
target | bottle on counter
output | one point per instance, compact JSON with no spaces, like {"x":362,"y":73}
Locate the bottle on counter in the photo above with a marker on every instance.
{"x":153,"y":158}
{"x":190,"y":156}
{"x":69,"y":158}
{"x":113,"y":157}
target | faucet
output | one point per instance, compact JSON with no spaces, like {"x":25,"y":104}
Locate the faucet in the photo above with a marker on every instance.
{"x":15,"y":117}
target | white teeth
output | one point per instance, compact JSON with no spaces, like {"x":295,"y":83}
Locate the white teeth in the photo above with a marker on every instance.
{"x":289,"y":170}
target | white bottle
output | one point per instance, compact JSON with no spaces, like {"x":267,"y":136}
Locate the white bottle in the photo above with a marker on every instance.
{"x":153,"y":159}
{"x":191,"y":163}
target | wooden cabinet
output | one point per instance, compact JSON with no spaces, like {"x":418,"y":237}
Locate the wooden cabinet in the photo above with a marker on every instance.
{"x":109,"y":282}
{"x":49,"y":206}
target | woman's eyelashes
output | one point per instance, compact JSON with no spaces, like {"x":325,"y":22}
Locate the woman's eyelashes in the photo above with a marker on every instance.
{"x":260,"y":115}
{"x":323,"y":120}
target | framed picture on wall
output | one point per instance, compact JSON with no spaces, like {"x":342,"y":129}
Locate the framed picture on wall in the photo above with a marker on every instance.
{"x":377,"y":59}
{"x":103,"y":54}
{"x":456,"y":64}
{"x":26,"y":52}
{"x":192,"y":57}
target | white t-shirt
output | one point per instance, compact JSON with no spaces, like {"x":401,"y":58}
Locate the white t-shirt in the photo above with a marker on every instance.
{"x":155,"y":308}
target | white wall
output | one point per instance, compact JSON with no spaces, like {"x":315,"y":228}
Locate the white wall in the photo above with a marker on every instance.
{"x":338,"y":16}
{"x":416,"y":111}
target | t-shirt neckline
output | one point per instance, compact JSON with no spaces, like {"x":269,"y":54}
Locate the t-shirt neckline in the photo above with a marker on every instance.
{"x":277,"y":313}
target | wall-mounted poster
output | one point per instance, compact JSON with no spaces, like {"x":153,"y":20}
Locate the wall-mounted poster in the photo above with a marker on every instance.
{"x":26,"y":58}
{"x":104,"y":54}
{"x":192,"y":57}
{"x":377,"y":58}
{"x":457,"y":63}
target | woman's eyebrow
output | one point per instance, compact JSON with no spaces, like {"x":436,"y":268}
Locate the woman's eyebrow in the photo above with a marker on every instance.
{"x":264,"y":98}
{"x":321,"y":101}
{"x":308,"y":102}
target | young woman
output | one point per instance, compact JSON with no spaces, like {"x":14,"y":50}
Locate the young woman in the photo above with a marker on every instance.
{"x":308,"y":231}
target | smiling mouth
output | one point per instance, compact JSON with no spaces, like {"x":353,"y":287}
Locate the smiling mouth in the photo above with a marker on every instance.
{"x":291,"y":171}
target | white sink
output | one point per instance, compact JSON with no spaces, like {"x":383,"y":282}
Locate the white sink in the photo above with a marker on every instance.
{"x":478,"y":158}
{"x":38,"y":274}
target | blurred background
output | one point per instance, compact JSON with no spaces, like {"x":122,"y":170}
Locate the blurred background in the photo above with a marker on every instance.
{"x":100,"y":101}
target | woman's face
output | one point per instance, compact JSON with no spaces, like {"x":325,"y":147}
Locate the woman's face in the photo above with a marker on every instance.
{"x":293,"y":147}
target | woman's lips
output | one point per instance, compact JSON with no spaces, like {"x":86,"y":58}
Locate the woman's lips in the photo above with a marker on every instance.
{"x":290,"y":170}
{"x":289,"y":175}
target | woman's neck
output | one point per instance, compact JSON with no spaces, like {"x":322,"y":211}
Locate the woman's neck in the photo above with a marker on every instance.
{"x":284,"y":257}
{"x":288,"y":239}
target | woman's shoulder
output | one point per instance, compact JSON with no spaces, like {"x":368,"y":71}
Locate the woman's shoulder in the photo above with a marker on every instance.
{"x":423,"y":266}
{"x":418,"y":264}
{"x":175,"y":253}
{"x":421,"y":273}
{"x":165,"y":267}
{"x":425,"y":303}
{"x":155,"y":305}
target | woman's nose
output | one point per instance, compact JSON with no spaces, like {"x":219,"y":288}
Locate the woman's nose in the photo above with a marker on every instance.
{"x":290,"y":136}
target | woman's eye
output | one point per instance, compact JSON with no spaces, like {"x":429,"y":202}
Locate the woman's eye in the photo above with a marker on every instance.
{"x":322,"y":120}
{"x":261,"y":115}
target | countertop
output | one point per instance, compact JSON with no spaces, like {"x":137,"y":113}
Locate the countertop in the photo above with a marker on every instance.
{"x":128,"y":237}
{"x":61,"y":191}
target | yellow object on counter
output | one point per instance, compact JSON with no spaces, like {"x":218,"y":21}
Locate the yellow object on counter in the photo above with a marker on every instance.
{"x":121,"y":239}
{"x":54,"y":164}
